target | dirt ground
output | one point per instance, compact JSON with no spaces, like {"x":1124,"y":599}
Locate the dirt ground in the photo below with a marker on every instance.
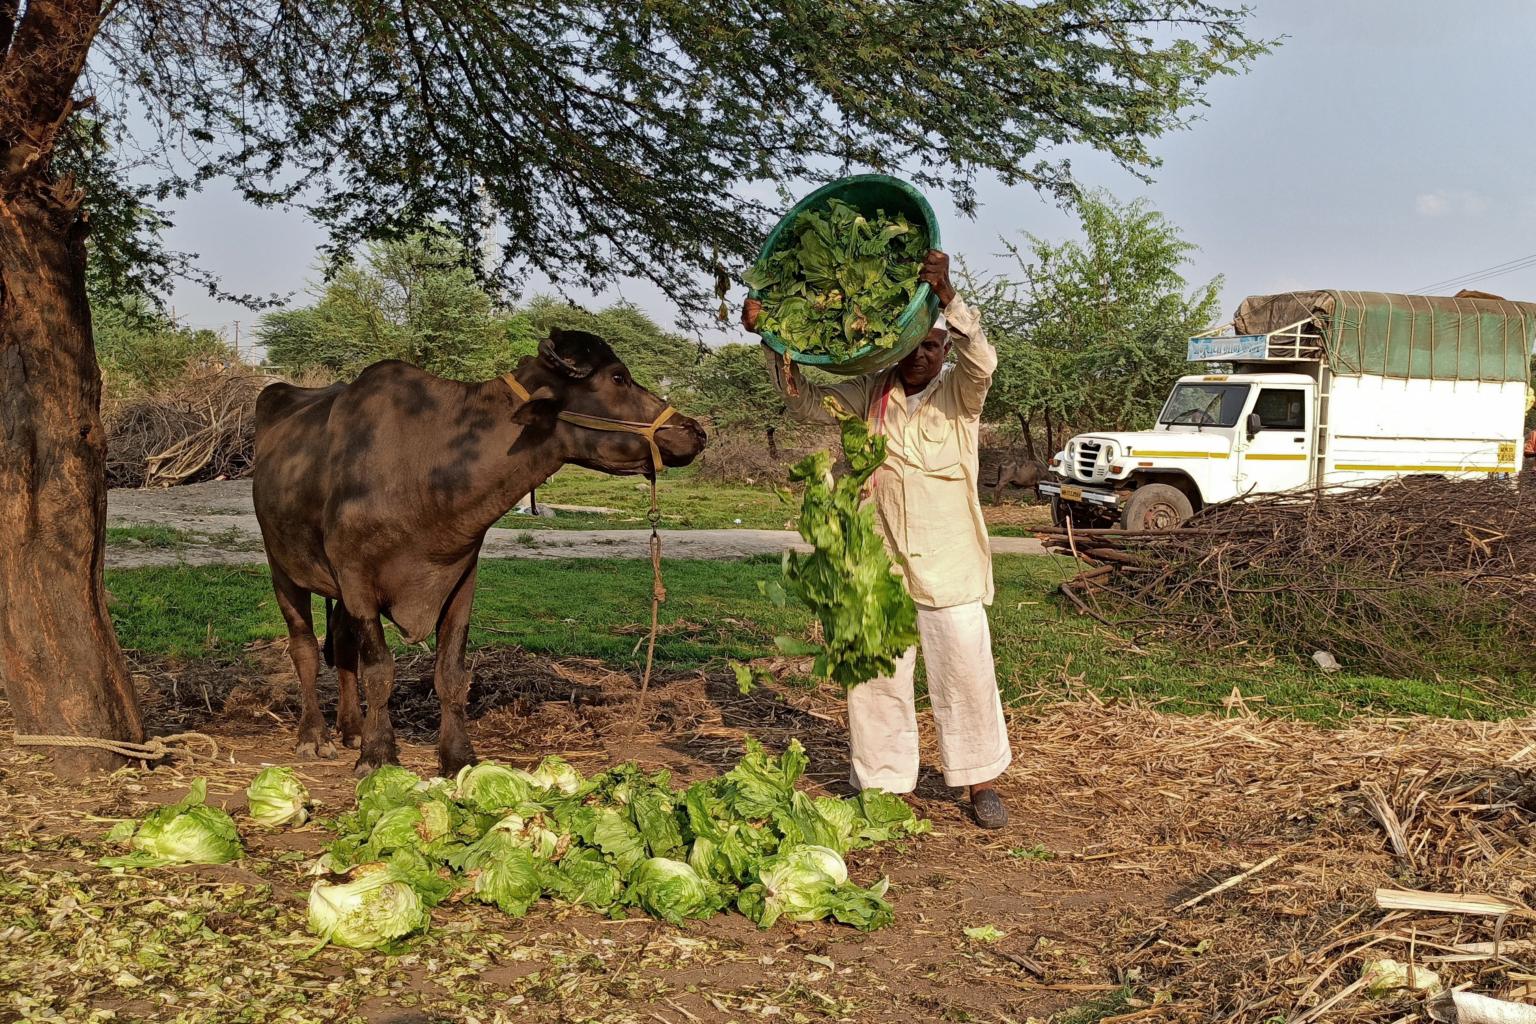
{"x":221,"y":517}
{"x":1122,"y":819}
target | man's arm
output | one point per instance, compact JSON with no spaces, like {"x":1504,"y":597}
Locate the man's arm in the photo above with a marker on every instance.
{"x":801,"y":396}
{"x":975,"y":358}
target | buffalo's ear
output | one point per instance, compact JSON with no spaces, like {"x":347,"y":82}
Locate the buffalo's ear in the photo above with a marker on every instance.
{"x":541,"y":405}
{"x":572,"y":353}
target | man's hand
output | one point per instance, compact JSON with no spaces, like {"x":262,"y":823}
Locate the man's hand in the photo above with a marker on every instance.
{"x":936,"y":273}
{"x":750,"y":311}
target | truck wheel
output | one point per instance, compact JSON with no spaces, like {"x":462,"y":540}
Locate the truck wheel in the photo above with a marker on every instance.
{"x":1156,"y":507}
{"x":1058,"y":512}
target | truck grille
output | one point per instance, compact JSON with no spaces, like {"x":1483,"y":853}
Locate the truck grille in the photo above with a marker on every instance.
{"x":1087,"y":460}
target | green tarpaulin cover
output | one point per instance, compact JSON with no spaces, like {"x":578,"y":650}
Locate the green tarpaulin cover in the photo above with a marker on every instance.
{"x":1406,"y":336}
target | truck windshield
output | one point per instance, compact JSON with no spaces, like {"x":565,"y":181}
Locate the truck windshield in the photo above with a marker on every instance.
{"x":1204,"y":405}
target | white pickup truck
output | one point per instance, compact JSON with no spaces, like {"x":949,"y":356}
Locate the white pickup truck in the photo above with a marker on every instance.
{"x":1327,"y":388}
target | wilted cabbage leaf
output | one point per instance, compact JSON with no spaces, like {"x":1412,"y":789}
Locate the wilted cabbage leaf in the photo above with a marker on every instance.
{"x":368,"y":912}
{"x":885,"y":816}
{"x":671,"y":890}
{"x":491,"y":787}
{"x":838,"y":280}
{"x":506,"y":874}
{"x":276,"y":798}
{"x":848,"y":582}
{"x":186,"y":832}
{"x":616,"y":836}
{"x":651,"y":811}
{"x":760,"y":784}
{"x":809,"y":883}
{"x":583,"y":876}
{"x":554,"y":773}
{"x":825,"y":821}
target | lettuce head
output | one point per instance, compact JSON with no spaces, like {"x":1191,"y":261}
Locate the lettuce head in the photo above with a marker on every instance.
{"x":276,"y":798}
{"x":186,"y":832}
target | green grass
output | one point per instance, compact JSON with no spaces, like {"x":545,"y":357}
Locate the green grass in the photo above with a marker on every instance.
{"x":599,"y":608}
{"x":687,"y":503}
{"x":150,"y":536}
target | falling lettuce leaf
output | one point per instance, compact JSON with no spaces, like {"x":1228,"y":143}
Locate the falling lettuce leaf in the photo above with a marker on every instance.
{"x":848,"y":581}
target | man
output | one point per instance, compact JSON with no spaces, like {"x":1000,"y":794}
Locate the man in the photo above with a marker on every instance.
{"x":926,"y":503}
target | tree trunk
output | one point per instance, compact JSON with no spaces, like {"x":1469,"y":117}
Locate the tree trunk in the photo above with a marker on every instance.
{"x":1029,"y":438}
{"x":773,"y":447}
{"x":59,"y":660}
{"x":1050,"y":433}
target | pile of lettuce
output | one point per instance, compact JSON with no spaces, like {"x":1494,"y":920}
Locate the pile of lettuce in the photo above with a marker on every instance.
{"x":838,"y":280}
{"x":616,"y":842}
{"x":867,"y":617}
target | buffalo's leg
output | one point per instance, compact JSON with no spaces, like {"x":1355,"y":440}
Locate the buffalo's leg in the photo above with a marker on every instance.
{"x":349,"y":712}
{"x":450,"y":677}
{"x":293,"y":601}
{"x":376,"y":666}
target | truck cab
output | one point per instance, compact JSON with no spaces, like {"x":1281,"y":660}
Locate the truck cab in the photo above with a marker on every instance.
{"x":1333,"y":398}
{"x":1217,"y":436}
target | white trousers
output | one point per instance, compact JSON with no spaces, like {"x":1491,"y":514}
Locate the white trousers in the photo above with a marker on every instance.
{"x":967,"y":708}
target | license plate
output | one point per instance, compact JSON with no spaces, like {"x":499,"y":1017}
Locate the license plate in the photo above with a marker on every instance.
{"x":1071,"y":493}
{"x":1506,"y":452}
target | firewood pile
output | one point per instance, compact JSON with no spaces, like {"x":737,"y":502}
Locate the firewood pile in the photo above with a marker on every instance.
{"x":203,"y":428}
{"x":1417,"y":577}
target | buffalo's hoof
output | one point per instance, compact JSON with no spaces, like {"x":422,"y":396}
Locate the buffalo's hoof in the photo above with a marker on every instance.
{"x":352,"y":740}
{"x":449,"y":765}
{"x":321,"y":749}
{"x":370,"y":760}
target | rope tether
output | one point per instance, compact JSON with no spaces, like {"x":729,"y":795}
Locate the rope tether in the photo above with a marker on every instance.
{"x":155,"y":748}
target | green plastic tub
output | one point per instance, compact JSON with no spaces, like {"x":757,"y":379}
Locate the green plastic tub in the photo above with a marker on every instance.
{"x":869,"y":192}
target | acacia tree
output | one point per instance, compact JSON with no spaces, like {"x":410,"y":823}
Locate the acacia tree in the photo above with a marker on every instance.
{"x":1092,"y":333}
{"x":413,"y":299}
{"x":606,"y":139}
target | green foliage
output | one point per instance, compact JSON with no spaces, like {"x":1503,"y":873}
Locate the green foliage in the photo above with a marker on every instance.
{"x":418,"y":300}
{"x":729,"y":386}
{"x":848,"y":582}
{"x":611,"y":141}
{"x":414,"y":299}
{"x":141,"y":349}
{"x":839,"y":280}
{"x":1092,"y":333}
{"x":658,"y":359}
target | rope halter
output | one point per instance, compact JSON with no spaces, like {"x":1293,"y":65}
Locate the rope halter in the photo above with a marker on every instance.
{"x":645,"y":430}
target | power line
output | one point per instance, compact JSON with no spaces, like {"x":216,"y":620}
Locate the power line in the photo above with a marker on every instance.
{"x":1472,"y":276}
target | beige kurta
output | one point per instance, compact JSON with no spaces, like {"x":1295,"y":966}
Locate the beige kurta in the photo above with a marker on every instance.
{"x":926,"y":494}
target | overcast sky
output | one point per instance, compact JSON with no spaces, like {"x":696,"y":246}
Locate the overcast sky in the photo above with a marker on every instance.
{"x":1385,"y":145}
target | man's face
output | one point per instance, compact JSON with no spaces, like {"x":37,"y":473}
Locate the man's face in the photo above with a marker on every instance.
{"x":923,"y":364}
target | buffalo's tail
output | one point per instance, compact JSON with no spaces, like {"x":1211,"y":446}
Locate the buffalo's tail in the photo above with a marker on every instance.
{"x":329,"y":648}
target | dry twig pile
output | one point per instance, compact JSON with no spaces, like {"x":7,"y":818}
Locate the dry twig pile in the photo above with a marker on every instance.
{"x":1413,"y":577}
{"x":202,"y":428}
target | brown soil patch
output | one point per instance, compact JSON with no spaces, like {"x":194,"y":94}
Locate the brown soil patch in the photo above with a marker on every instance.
{"x":1120,"y":815}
